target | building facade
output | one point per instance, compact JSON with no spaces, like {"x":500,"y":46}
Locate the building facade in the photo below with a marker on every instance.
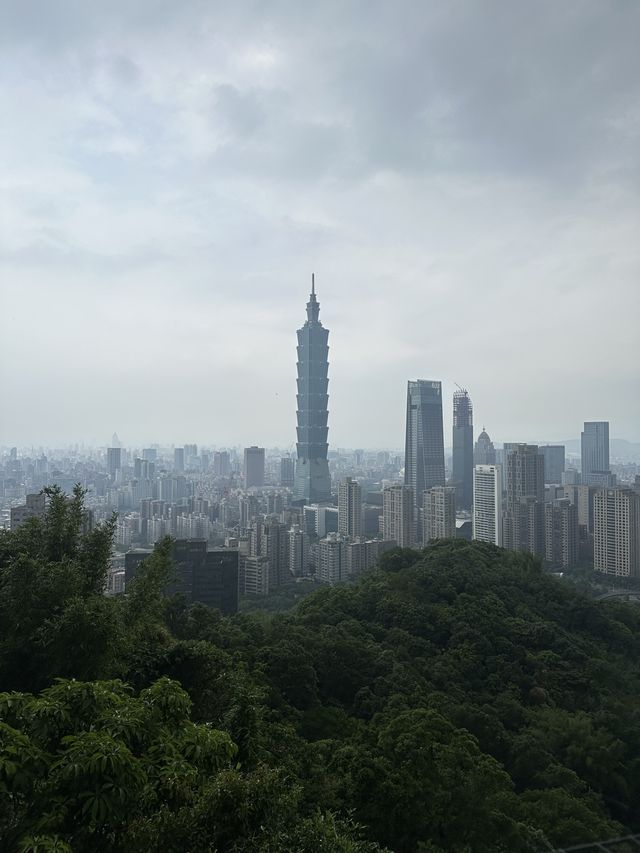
{"x":350,"y":509}
{"x":554,"y":462}
{"x":487,"y":504}
{"x":253,"y":467}
{"x":397,"y":515}
{"x":287,"y":472}
{"x":439,"y":513}
{"x":298,"y":552}
{"x":462,"y":460}
{"x":202,"y":574}
{"x":312,"y":478}
{"x":523,"y":521}
{"x":332,"y":560}
{"x":594,"y":452}
{"x":484,"y":453}
{"x":561,"y":533}
{"x":424,"y":439}
{"x":616,"y":532}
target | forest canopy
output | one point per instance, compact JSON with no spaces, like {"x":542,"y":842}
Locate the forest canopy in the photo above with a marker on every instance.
{"x":455,"y":699}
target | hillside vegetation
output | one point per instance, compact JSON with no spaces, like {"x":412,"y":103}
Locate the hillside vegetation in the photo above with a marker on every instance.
{"x":457,"y":699}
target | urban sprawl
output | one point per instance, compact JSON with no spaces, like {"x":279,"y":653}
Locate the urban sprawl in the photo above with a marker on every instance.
{"x":247,"y":522}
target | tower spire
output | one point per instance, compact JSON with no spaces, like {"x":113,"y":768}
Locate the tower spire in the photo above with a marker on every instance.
{"x":313,"y":283}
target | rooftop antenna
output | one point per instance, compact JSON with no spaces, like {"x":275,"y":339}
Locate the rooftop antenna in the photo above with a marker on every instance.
{"x":313,"y":283}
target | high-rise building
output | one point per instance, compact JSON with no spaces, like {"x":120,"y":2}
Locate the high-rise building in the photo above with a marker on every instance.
{"x":462,"y":461}
{"x":484,"y":453}
{"x":298,"y":552}
{"x":561,"y":533}
{"x":178,"y":460}
{"x":350,"y":508}
{"x":253,"y":467}
{"x":424,"y":441}
{"x":523,"y":522}
{"x":269,"y":538}
{"x":190,"y":455}
{"x":248,"y":510}
{"x":594,"y":447}
{"x":487,"y":503}
{"x":312,"y":479}
{"x":287,"y":472}
{"x":363,"y":554}
{"x":114,"y":461}
{"x":397,"y":515}
{"x":616,"y":534}
{"x":221,"y":463}
{"x":254,"y":574}
{"x":528,"y":529}
{"x":439,"y":513}
{"x":206,"y":575}
{"x":332,"y":559}
{"x":525,"y":474}
{"x":35,"y":506}
{"x":553,"y":462}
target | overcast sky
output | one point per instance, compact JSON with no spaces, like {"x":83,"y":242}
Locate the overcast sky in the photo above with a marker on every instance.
{"x":462,"y":177}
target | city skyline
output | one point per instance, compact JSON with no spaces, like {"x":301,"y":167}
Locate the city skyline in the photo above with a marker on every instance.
{"x":172,"y":176}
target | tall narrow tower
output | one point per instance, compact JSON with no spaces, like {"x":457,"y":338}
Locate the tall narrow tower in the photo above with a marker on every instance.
{"x":462,"y":475}
{"x":424,"y":445}
{"x":312,"y":480}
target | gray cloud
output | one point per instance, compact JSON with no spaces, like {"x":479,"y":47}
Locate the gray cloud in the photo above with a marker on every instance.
{"x":462,"y":177}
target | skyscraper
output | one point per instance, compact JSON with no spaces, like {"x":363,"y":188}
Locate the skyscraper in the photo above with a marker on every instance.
{"x":523,"y":523}
{"x":287,"y":472}
{"x":114,"y":461}
{"x":594,"y":446}
{"x":462,"y":474}
{"x":298,"y":552}
{"x":487,"y":503}
{"x":424,"y":443}
{"x":312,"y":481}
{"x":553,"y":462}
{"x":221,"y":463}
{"x":484,"y":453}
{"x":253,"y":466}
{"x":178,"y":460}
{"x":350,"y":508}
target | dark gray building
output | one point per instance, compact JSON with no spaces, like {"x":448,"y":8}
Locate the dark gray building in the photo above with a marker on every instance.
{"x":178,"y":460}
{"x":424,"y":442}
{"x":561,"y":533}
{"x":253,"y":467}
{"x":287,"y":472}
{"x":312,"y":478}
{"x":114,"y":461}
{"x":523,"y":525}
{"x":208,"y":576}
{"x":553,"y":462}
{"x":462,"y":461}
{"x":594,"y":447}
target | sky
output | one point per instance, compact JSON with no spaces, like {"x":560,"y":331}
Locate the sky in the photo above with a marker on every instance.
{"x":463,"y":178}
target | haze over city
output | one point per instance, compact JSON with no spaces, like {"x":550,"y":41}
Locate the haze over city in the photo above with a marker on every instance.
{"x":461,"y":178}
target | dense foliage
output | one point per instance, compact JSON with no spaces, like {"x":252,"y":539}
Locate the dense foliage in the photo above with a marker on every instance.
{"x":457,"y":699}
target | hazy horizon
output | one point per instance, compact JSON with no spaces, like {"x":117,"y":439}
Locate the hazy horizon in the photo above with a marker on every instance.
{"x":462,"y":179}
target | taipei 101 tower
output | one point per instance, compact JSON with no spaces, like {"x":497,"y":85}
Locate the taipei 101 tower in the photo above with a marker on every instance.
{"x":312,"y":481}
